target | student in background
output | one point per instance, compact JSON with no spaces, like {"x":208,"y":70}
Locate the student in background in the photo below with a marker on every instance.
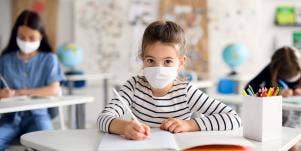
{"x":160,"y":98}
{"x":284,"y":71}
{"x":28,"y":66}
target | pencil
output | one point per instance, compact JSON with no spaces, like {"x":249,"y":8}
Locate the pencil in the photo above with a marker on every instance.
{"x":126,"y":106}
{"x":4,"y":82}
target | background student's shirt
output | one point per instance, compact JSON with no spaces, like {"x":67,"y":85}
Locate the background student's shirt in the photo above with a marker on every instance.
{"x":263,"y":79}
{"x":41,"y":70}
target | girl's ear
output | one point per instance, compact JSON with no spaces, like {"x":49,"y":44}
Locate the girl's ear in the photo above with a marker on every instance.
{"x":182,"y":61}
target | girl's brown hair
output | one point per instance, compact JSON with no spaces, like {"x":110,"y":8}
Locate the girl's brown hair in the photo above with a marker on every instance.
{"x":163,"y":31}
{"x":284,"y":64}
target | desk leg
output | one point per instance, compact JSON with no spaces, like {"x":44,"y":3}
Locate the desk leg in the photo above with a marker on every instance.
{"x":106,"y":90}
{"x":80,"y":116}
{"x":76,"y":113}
{"x":61,"y":116}
{"x":72,"y":119}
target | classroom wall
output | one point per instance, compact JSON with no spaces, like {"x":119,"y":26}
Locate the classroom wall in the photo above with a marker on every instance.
{"x":5,"y":22}
{"x":232,"y":21}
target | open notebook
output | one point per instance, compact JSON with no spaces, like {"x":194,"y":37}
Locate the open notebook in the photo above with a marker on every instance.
{"x":25,"y":97}
{"x":163,"y":140}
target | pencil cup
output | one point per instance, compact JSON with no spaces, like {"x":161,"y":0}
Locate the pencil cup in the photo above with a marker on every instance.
{"x":262,"y":117}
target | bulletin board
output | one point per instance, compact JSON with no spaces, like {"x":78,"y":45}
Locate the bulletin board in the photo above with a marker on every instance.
{"x":48,"y":9}
{"x":192,"y":16}
{"x":110,"y":33}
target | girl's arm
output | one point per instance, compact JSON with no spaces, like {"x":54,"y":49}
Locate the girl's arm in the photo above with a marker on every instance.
{"x":109,"y":120}
{"x":214,"y":115}
{"x":49,"y":90}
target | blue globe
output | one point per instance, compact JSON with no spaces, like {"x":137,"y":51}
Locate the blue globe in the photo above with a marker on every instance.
{"x":70,"y":55}
{"x":234,"y":55}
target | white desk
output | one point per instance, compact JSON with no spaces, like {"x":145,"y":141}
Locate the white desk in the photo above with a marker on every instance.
{"x":31,"y":104}
{"x":88,"y":140}
{"x":289,"y":103}
{"x":203,"y":84}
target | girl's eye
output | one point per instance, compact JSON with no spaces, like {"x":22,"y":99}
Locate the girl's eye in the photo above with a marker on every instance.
{"x":32,"y":39}
{"x":168,"y":62}
{"x":22,"y":38}
{"x":149,"y":61}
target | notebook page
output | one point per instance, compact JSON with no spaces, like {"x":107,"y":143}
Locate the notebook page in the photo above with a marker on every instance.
{"x":15,"y":98}
{"x":26,"y":98}
{"x":157,"y":140}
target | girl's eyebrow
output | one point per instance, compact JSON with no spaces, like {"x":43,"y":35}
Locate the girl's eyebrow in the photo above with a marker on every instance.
{"x":169,"y":58}
{"x":148,"y":56}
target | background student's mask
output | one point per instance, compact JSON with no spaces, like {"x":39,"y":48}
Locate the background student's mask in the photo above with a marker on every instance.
{"x":295,"y":78}
{"x":28,"y":47}
{"x":160,"y":77}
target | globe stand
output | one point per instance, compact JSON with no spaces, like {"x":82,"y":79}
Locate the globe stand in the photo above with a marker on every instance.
{"x":233,"y":73}
{"x":229,"y":84}
{"x":75,"y":83}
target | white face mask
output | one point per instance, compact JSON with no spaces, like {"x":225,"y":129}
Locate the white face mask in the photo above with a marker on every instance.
{"x":160,"y":77}
{"x":294,"y":79}
{"x":28,"y":47}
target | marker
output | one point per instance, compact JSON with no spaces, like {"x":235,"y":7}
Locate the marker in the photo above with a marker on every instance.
{"x":250,"y":92}
{"x":251,"y":89}
{"x":283,"y":84}
{"x":244,"y":93}
{"x":270,"y":91}
{"x":276,"y":92}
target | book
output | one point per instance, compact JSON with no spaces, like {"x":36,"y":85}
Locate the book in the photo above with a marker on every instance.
{"x":164,"y":140}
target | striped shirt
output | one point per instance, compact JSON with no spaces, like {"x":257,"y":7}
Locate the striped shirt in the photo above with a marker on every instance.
{"x":180,"y":102}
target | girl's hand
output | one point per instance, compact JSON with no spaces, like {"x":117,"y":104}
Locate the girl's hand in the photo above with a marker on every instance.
{"x":297,"y":91}
{"x":287,"y":92}
{"x":5,"y":93}
{"x":136,"y":131}
{"x":23,"y":92}
{"x":176,"y":125}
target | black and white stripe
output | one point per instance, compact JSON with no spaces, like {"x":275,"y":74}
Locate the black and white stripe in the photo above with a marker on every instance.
{"x":180,"y":102}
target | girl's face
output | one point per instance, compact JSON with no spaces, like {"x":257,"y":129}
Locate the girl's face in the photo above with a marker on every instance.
{"x":29,"y":35}
{"x":163,"y":55}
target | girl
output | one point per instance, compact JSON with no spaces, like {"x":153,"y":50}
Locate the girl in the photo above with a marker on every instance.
{"x":159,"y":98}
{"x":283,"y":70}
{"x":29,"y":67}
{"x":284,"y":66}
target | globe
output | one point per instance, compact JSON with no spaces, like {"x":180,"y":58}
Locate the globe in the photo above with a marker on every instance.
{"x":70,"y":55}
{"x":234,"y":55}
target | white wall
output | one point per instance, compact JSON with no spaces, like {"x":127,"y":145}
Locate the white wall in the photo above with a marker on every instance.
{"x":65,"y":22}
{"x":5,"y":22}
